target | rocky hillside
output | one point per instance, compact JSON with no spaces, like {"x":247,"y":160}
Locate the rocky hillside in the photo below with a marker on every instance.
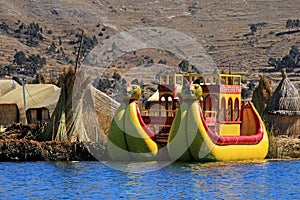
{"x":241,"y":35}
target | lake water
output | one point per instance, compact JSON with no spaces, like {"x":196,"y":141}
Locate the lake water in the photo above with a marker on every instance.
{"x":95,"y":180}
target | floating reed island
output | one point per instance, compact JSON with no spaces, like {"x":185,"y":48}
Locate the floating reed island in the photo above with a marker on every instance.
{"x":59,"y":139}
{"x":19,"y":143}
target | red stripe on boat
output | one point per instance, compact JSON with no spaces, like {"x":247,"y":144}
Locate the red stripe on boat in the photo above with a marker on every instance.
{"x":146,"y":129}
{"x":229,"y":140}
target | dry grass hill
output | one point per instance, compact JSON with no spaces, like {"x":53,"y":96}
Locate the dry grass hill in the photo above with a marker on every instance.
{"x":222,"y":27}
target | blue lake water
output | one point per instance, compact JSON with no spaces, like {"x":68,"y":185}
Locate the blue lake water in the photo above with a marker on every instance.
{"x":95,"y":180}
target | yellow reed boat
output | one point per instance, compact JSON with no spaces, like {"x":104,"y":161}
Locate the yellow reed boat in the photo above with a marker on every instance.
{"x":199,"y":117}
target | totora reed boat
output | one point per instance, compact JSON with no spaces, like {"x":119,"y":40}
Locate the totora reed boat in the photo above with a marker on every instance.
{"x":192,"y":117}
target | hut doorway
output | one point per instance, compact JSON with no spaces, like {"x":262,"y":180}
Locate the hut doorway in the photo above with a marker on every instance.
{"x":37,"y":114}
{"x":9,"y":114}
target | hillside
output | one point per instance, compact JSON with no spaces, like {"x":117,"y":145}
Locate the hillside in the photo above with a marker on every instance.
{"x":223,"y":29}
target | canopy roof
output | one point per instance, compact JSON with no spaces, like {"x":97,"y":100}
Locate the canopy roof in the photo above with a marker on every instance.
{"x":154,"y":97}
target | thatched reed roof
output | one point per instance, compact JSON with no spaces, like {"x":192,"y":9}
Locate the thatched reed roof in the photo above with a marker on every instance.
{"x":262,"y":94}
{"x":105,"y":108}
{"x":7,"y":86}
{"x":80,"y":109}
{"x":49,"y":102}
{"x":62,"y":126}
{"x":285,"y":100}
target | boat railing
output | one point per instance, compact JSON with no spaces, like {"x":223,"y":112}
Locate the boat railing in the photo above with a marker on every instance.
{"x":158,"y":121}
{"x":210,"y":114}
{"x":158,"y":113}
{"x":205,"y":79}
{"x":210,"y":117}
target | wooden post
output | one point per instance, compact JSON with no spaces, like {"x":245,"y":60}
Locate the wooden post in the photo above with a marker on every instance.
{"x":78,"y":54}
{"x":52,"y":138}
{"x":24,"y":99}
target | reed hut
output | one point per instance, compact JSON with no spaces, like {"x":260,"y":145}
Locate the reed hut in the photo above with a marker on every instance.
{"x":282,"y":114}
{"x":82,"y":113}
{"x":42,"y":110}
{"x":12,"y":104}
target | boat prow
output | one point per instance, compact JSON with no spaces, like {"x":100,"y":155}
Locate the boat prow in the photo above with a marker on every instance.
{"x":195,"y":141}
{"x":129,"y":139}
{"x":252,"y":143}
{"x":218,"y":128}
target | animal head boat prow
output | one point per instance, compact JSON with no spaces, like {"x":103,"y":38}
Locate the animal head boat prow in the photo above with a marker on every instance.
{"x":191,"y":90}
{"x":130,"y":90}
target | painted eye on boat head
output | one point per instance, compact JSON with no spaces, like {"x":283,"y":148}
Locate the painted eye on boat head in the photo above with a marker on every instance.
{"x":134,"y":87}
{"x":197,"y":87}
